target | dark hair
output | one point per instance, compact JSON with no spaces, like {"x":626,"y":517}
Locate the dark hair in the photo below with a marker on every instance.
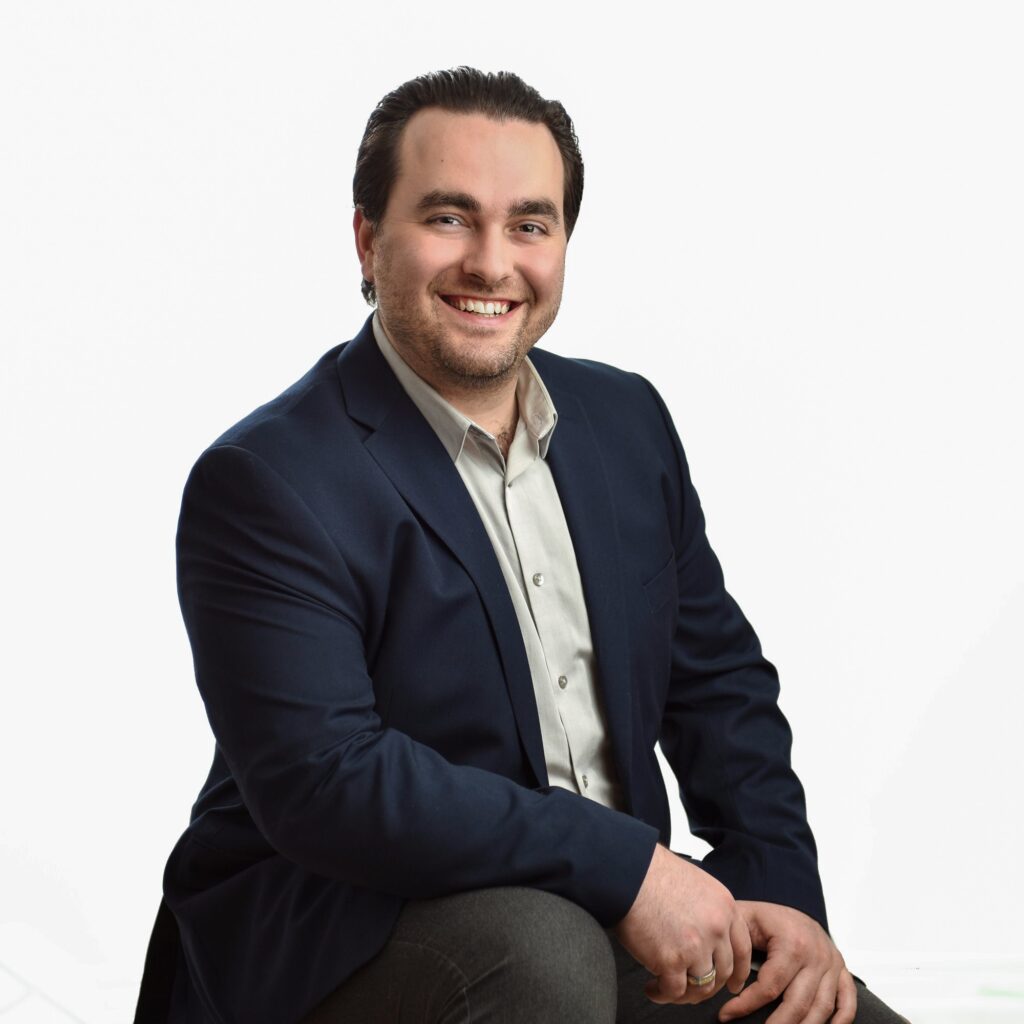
{"x":500,"y":95}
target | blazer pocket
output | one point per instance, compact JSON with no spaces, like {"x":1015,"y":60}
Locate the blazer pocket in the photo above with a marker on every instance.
{"x":661,"y":588}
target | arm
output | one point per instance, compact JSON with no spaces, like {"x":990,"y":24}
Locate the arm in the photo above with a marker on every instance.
{"x":275,"y":622}
{"x":729,"y":746}
{"x":723,"y":733}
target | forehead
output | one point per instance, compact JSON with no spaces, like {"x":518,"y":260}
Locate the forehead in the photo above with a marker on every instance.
{"x":494,"y":161}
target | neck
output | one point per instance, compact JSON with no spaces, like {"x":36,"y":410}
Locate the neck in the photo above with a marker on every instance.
{"x":496,"y":411}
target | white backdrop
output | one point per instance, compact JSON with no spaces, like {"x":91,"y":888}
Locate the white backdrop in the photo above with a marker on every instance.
{"x":803,"y":221}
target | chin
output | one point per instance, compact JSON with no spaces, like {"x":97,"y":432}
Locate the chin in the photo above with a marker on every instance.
{"x":472,"y":368}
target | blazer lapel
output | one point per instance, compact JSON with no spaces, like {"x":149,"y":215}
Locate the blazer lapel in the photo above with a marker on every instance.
{"x":582,"y":480}
{"x":410,"y":453}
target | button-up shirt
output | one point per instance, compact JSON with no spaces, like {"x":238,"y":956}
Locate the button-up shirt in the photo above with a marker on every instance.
{"x":520,"y":509}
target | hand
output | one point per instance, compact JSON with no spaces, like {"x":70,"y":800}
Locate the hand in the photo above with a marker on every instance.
{"x":682,"y":922}
{"x":802,"y":965}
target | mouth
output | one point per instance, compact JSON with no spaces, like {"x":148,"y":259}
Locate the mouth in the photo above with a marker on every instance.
{"x":487,"y":309}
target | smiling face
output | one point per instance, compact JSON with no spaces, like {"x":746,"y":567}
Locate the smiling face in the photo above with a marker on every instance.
{"x":469,"y":257}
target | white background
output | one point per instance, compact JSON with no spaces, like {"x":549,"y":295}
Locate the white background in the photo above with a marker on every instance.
{"x":803,"y":221}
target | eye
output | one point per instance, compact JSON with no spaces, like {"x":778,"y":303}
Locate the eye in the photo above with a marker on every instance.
{"x":446,"y":220}
{"x":532,"y":228}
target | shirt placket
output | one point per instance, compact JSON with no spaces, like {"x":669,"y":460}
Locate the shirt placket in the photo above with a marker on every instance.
{"x":549,"y":593}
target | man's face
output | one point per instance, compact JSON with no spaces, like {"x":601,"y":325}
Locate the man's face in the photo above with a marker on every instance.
{"x":474,"y":216}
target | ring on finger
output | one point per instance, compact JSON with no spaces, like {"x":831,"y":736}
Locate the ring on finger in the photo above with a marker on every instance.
{"x":703,"y":979}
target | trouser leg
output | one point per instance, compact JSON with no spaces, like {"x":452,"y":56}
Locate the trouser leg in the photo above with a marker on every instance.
{"x":492,"y":956}
{"x":633,"y":1006}
{"x":516,"y":956}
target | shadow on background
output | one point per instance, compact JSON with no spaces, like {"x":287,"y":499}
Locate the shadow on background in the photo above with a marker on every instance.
{"x":23,"y":1003}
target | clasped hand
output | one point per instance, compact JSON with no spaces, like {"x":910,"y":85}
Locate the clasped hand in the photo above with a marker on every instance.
{"x":684,"y":922}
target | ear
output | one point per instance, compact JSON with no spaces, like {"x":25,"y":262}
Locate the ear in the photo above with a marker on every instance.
{"x":364,"y":233}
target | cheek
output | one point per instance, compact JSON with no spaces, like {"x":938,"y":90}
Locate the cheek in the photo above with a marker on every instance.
{"x":433,"y":262}
{"x":411,"y":262}
{"x":546,"y":272}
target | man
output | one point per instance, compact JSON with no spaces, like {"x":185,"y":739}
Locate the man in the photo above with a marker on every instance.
{"x":443,"y":601}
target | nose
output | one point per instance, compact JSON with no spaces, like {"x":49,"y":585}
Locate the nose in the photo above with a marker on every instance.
{"x":488,"y":257}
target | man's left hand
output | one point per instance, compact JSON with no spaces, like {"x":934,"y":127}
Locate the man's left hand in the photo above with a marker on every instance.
{"x":802,"y":965}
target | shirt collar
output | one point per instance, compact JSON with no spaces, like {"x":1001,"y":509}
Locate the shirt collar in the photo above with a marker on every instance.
{"x":536,"y":410}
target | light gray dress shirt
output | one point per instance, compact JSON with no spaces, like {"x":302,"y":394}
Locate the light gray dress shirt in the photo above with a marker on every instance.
{"x":522,"y":514}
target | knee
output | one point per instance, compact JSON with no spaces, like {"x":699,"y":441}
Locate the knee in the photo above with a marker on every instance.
{"x":549,"y":956}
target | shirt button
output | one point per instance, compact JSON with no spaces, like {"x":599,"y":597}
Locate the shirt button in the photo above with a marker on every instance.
{"x":563,"y":682}
{"x":538,"y":579}
{"x":586,"y":784}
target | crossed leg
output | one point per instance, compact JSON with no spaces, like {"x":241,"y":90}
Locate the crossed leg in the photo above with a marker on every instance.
{"x":514,"y":956}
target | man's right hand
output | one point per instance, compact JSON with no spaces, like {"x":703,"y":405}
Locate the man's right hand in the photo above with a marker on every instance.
{"x":682,"y":922}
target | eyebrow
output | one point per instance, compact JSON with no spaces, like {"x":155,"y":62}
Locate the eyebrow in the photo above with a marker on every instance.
{"x":534,"y":208}
{"x":464,"y":201}
{"x":460,"y":200}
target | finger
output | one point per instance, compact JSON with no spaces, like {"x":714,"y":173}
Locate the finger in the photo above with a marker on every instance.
{"x":772,"y":980}
{"x":809,"y":999}
{"x":846,"y":999}
{"x":824,"y":1004}
{"x":655,"y":993}
{"x":699,"y":993}
{"x":742,"y":950}
{"x":724,"y":960}
{"x":669,"y":987}
{"x":652,"y":989}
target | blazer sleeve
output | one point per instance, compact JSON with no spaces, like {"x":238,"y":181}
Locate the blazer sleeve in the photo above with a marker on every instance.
{"x":723,"y":732}
{"x":274,"y":620}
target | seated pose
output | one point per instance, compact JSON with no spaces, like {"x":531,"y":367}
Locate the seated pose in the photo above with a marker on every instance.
{"x":444,"y":598}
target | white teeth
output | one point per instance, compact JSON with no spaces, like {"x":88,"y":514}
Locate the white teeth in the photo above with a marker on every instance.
{"x":482,"y":308}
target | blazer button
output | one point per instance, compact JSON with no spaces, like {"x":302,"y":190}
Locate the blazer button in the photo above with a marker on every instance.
{"x":538,"y":579}
{"x":563,"y":682}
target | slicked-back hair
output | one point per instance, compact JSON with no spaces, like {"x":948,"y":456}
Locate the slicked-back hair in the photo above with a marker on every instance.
{"x":500,"y":95}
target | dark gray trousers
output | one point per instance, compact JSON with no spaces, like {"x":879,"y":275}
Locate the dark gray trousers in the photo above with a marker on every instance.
{"x":514,"y":956}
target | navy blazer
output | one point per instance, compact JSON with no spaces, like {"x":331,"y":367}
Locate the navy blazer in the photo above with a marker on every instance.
{"x":366,"y":682}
